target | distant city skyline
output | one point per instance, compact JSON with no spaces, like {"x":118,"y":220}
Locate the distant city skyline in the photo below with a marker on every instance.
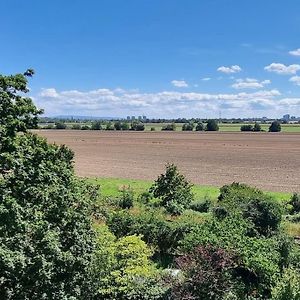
{"x":162,"y":59}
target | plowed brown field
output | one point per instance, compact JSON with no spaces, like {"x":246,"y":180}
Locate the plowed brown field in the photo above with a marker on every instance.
{"x":270,"y":161}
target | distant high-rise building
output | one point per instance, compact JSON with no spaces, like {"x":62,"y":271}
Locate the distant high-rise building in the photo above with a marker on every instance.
{"x":139,"y":118}
{"x":132,"y":118}
{"x":128,"y":118}
{"x":286,"y":117}
{"x":144,"y":118}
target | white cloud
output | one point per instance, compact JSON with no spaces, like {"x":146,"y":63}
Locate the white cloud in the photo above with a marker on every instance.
{"x":282,"y":69}
{"x":179,"y":83}
{"x":206,"y":79}
{"x":250,"y":83}
{"x":295,"y":52}
{"x":230,"y":70}
{"x":295,"y":80}
{"x":120,"y":102}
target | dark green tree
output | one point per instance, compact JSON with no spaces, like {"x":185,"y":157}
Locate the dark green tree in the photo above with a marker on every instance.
{"x":275,"y":127}
{"x":46,"y":237}
{"x":173,"y":189}
{"x":200,"y":126}
{"x":256,"y":127}
{"x":212,"y":125}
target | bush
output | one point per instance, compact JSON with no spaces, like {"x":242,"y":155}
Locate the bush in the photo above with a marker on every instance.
{"x":124,"y":126}
{"x":152,"y":129}
{"x":127,"y":198}
{"x":188,"y":127}
{"x":96,"y":125}
{"x":275,"y":127}
{"x":246,"y":127}
{"x":295,"y":204}
{"x":288,"y":286}
{"x":256,"y":127}
{"x":60,"y":125}
{"x":174,"y":191}
{"x":261,"y":210}
{"x":118,"y":125}
{"x":122,"y":268}
{"x":85,"y":127}
{"x":109,"y":126}
{"x":169,"y":127}
{"x":76,"y":126}
{"x":200,"y":126}
{"x":49,"y":126}
{"x":212,"y":125}
{"x":137,"y":126}
{"x":201,"y":206}
{"x":206,"y":274}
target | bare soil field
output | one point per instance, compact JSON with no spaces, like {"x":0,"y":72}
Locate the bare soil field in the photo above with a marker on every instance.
{"x":270,"y":161}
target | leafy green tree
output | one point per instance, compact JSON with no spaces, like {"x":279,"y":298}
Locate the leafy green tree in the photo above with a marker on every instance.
{"x":275,"y":127}
{"x":173,"y":189}
{"x":247,"y":127}
{"x":109,"y":126}
{"x":200,"y":126}
{"x":212,"y":125}
{"x":169,"y":127}
{"x":60,"y":125}
{"x":256,"y":127}
{"x":96,"y":125}
{"x":46,"y":238}
{"x":188,"y":127}
{"x":124,"y":126}
{"x":118,"y":125}
{"x":137,"y":126}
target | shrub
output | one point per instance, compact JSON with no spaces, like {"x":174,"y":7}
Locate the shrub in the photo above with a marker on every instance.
{"x":174,"y":191}
{"x":96,"y":125}
{"x":200,"y":126}
{"x":275,"y":127}
{"x":256,"y":127}
{"x":212,"y":125}
{"x":124,"y":126}
{"x":76,"y":126}
{"x":201,"y":206}
{"x":118,"y":125}
{"x":85,"y":127}
{"x":188,"y":127}
{"x":152,"y":129}
{"x":206,"y":274}
{"x":288,"y":286}
{"x":109,"y":126}
{"x":246,"y":127}
{"x":60,"y":125}
{"x":49,"y":126}
{"x":169,"y":127}
{"x":122,"y":268}
{"x":127,"y":198}
{"x":295,"y":203}
{"x":137,"y":126}
{"x":261,"y":210}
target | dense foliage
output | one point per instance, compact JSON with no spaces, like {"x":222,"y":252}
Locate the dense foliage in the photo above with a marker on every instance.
{"x":173,"y":190}
{"x":212,"y":125}
{"x":275,"y":127}
{"x":61,"y":239}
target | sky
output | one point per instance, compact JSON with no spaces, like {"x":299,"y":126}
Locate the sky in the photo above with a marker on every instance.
{"x":159,"y":58}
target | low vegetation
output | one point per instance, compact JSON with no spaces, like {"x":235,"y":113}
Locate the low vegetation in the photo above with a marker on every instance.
{"x":62,"y":238}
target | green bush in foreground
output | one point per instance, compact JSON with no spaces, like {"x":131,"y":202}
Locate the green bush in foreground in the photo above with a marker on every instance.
{"x":174,"y":191}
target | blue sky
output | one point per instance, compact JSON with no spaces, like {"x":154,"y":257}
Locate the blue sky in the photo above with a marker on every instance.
{"x":161,"y":58}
